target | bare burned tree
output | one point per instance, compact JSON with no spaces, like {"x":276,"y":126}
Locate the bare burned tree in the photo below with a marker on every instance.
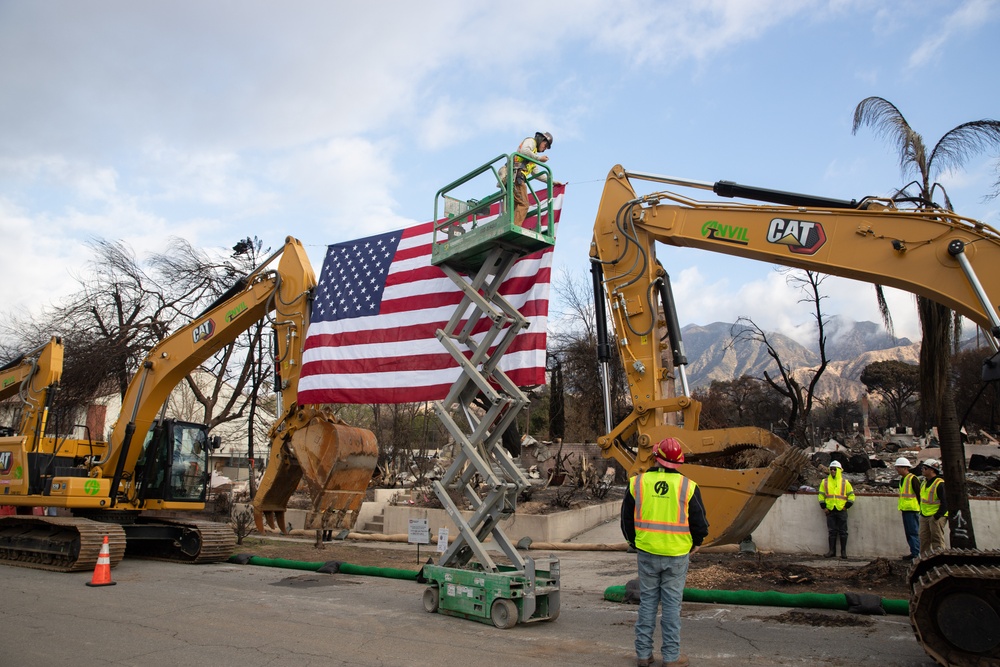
{"x":124,"y":307}
{"x":574,"y":342}
{"x":801,"y":398}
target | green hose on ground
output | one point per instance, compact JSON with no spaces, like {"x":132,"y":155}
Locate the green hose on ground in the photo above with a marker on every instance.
{"x":769,"y":599}
{"x":346,"y":568}
{"x":612,"y":593}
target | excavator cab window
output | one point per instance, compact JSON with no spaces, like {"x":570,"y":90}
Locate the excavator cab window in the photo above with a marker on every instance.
{"x":174,"y":462}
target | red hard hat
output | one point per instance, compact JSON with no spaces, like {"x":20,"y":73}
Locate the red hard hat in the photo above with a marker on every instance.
{"x":668,"y":453}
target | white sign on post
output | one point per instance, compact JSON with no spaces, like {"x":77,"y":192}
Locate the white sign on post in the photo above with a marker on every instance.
{"x":418,"y":532}
{"x":442,"y":545}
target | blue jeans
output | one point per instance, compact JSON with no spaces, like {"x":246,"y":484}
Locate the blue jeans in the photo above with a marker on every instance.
{"x":911,"y":526}
{"x":661,"y":579}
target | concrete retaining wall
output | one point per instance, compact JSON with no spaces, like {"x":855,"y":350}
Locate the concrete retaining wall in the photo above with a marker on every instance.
{"x":556,"y":527}
{"x":797,"y":524}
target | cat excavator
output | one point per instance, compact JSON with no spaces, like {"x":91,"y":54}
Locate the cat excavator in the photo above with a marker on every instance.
{"x":136,"y":487}
{"x":955,"y":261}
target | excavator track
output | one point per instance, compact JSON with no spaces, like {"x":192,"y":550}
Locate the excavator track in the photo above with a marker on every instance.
{"x":57,"y":544}
{"x":193,"y":542}
{"x":955,"y":607}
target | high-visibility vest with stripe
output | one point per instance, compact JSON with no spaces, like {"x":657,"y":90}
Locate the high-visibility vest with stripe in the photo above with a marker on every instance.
{"x":908,"y":500}
{"x":662,"y":501}
{"x":835,"y":494}
{"x":930,"y":502}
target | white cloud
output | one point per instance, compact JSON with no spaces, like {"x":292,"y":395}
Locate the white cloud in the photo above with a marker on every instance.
{"x":970,"y":16}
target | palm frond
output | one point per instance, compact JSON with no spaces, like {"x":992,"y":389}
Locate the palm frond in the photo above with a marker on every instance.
{"x":887,"y":122}
{"x":955,"y":148}
{"x":883,"y":310}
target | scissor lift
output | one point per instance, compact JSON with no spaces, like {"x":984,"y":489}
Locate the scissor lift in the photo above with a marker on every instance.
{"x":476,"y":246}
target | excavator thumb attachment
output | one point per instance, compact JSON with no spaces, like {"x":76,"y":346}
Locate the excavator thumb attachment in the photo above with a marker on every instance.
{"x":336,"y":462}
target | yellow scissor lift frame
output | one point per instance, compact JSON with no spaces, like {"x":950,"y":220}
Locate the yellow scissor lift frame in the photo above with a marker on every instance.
{"x":476,"y":249}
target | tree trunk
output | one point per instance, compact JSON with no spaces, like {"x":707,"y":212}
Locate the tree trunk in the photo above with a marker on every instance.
{"x":938,"y":400}
{"x":953,"y":466}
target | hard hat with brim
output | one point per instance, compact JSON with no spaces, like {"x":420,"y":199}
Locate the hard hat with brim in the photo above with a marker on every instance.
{"x":836,"y":464}
{"x":933,"y":464}
{"x":903,"y":462}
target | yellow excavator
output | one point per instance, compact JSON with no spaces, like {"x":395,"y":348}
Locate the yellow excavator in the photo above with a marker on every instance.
{"x":32,"y":376}
{"x":153,"y":469}
{"x":955,"y":261}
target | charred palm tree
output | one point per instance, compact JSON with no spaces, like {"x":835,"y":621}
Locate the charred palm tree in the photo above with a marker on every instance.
{"x":939,"y":325}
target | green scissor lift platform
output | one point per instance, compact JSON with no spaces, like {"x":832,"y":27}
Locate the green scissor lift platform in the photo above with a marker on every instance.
{"x":476,"y":244}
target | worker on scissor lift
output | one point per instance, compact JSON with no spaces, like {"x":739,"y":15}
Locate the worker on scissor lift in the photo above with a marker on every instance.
{"x":532,"y":147}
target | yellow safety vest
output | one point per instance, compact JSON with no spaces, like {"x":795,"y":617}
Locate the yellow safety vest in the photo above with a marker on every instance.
{"x":930,"y":503}
{"x":908,"y":501}
{"x":662,"y":500}
{"x":526,"y":167}
{"x":836,"y":498}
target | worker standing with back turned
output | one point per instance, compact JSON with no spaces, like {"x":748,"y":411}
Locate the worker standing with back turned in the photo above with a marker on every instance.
{"x":663,"y":517}
{"x":909,"y":506}
{"x":836,"y":495}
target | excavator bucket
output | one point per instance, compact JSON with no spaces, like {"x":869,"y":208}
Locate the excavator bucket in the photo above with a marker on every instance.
{"x":736,"y":501}
{"x":741,"y":472}
{"x":336,"y":462}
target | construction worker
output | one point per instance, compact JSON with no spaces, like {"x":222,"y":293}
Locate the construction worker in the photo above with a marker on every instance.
{"x":933,"y":508}
{"x":836,"y":495}
{"x":533,"y":147}
{"x":663,"y":519}
{"x":909,"y":506}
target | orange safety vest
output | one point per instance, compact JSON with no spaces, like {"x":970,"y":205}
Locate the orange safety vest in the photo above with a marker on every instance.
{"x":908,"y":500}
{"x":661,"y":512}
{"x":930,"y":503}
{"x":837,"y":498}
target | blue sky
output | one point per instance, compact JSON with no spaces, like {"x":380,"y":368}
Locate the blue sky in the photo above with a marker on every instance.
{"x":335,"y":120}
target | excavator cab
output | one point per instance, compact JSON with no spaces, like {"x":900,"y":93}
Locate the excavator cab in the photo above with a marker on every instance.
{"x":174,"y":466}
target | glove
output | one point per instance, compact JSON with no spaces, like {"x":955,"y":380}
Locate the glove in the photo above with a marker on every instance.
{"x":848,"y":505}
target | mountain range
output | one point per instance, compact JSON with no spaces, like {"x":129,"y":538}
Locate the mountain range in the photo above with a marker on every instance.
{"x":714,"y":354}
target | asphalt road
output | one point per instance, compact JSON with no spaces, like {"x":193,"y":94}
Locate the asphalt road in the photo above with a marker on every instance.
{"x":162,"y":614}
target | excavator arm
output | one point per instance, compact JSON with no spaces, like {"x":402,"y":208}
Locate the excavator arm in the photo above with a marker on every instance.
{"x":931,"y":253}
{"x":33,"y":376}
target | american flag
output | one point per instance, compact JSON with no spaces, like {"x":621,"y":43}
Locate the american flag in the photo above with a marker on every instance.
{"x":378,"y":305}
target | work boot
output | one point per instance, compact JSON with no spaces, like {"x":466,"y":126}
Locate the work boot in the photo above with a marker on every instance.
{"x":843,"y":546}
{"x":644,"y":662}
{"x":681,"y":661}
{"x":833,"y":548}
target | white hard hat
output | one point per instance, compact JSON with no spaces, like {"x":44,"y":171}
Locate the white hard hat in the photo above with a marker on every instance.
{"x":933,"y":463}
{"x":836,"y":464}
{"x":902,"y":462}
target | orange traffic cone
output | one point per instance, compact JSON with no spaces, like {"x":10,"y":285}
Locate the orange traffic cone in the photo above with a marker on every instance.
{"x":102,"y":571}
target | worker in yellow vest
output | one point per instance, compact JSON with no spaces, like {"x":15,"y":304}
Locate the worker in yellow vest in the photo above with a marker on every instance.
{"x":836,"y":495}
{"x":533,"y":147}
{"x":933,"y":508}
{"x":909,"y":506}
{"x":663,"y":518}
